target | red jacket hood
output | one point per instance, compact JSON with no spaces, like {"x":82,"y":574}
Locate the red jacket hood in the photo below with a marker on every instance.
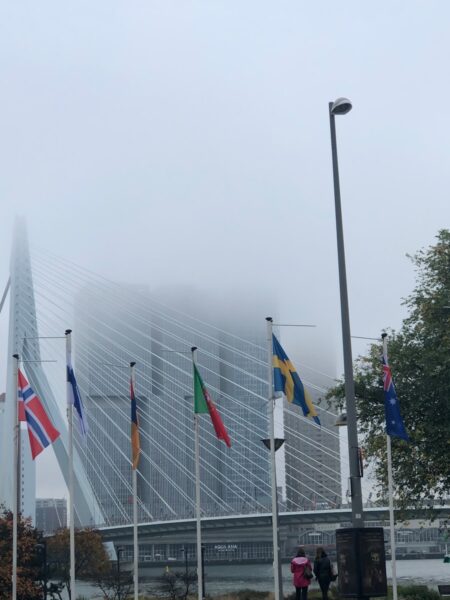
{"x":300,"y":560}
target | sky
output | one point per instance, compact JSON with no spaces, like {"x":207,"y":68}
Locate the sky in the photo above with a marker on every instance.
{"x":188,"y":143}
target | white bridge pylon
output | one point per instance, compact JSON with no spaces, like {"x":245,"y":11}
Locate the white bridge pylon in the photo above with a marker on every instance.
{"x":115,"y":323}
{"x":23,"y":339}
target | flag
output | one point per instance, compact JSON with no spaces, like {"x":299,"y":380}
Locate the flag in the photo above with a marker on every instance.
{"x":135,"y":439}
{"x":74,"y":398}
{"x":203,"y":403}
{"x":394,"y":421}
{"x":287,"y":380}
{"x":21,"y":406}
{"x":40,"y":429}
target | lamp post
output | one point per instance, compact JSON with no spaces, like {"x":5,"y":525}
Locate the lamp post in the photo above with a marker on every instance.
{"x":342,"y":106}
{"x":185,"y":554}
{"x":119,"y":551}
{"x":203,"y":571}
{"x":277,"y":443}
{"x":42,"y":546}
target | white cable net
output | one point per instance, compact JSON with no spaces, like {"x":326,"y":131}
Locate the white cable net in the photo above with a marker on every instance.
{"x":114,"y":324}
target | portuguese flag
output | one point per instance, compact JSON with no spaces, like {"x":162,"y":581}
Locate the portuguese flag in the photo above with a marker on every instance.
{"x":203,"y":403}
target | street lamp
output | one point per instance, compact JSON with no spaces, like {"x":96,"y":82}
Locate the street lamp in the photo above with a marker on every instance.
{"x":277,"y":443}
{"x":185,"y":554}
{"x":119,"y":551}
{"x":341,"y":421}
{"x":203,"y":571}
{"x":42,"y":547}
{"x":342,"y":106}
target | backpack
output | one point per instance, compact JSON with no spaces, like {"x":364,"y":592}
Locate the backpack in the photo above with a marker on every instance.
{"x":307,"y":573}
{"x":333,"y":574}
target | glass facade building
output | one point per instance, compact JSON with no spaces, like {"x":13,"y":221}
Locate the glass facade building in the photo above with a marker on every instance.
{"x":111,"y":331}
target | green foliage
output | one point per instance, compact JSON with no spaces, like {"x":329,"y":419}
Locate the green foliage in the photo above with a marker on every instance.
{"x":177,"y":585}
{"x":28,"y":567}
{"x":113,"y":584}
{"x":419,"y":356}
{"x":253,"y":595}
{"x":91,"y":559}
{"x":406,"y":592}
{"x":417,"y":592}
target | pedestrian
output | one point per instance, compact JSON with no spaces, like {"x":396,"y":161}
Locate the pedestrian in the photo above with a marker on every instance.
{"x":323,"y":571}
{"x":302,"y":570}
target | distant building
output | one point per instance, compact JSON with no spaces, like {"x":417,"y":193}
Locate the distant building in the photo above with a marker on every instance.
{"x":51,"y":514}
{"x":157,"y":331}
{"x":114,"y":329}
{"x":313,"y":464}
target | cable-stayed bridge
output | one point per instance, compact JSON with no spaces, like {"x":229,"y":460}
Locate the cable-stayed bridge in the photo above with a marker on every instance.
{"x":114,"y":324}
{"x":250,"y":526}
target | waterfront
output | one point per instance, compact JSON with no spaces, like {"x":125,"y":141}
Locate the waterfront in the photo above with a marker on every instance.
{"x":221,"y":579}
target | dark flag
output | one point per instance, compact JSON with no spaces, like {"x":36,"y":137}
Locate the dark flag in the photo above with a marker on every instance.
{"x":394,"y":421}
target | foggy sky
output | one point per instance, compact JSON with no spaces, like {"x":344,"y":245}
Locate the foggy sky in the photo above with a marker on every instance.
{"x":188,"y":143}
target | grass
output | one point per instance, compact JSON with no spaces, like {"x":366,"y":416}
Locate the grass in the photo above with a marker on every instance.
{"x":408,"y":592}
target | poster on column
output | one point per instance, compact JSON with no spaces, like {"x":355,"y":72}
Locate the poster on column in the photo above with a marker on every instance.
{"x":361,"y":562}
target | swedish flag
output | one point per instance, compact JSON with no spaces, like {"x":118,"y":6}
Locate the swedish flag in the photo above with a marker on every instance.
{"x":287,"y":380}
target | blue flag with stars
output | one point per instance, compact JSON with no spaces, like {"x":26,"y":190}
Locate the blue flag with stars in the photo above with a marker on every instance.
{"x":394,"y":421}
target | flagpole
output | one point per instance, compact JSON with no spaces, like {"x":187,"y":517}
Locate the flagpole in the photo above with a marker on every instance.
{"x":390,"y":494}
{"x":271,"y":411}
{"x":197,"y":494}
{"x":135,"y":510}
{"x":71,"y":478}
{"x":15,"y":478}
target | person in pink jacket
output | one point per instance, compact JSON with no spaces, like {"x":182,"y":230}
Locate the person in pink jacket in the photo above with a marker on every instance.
{"x":302,"y":570}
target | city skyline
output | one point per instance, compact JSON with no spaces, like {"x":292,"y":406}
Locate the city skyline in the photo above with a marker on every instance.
{"x":116,"y":324}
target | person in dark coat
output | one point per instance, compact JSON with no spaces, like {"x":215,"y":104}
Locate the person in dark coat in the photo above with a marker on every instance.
{"x":301,"y":567}
{"x":323,"y":571}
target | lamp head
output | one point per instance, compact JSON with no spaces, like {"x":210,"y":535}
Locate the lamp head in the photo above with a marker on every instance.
{"x":341,"y":106}
{"x":278,"y":443}
{"x":341,"y":421}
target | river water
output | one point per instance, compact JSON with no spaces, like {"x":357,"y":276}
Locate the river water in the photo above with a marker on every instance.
{"x":221,"y":579}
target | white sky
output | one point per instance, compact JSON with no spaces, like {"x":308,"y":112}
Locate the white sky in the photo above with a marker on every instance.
{"x":188,"y":142}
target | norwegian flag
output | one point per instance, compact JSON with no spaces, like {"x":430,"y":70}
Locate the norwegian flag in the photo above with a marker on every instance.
{"x":40,"y":429}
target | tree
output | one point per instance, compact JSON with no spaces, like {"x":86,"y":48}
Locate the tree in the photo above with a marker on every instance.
{"x":115,"y":584}
{"x":419,"y":356}
{"x":177,"y":585}
{"x":28,"y":568}
{"x":91,"y":558}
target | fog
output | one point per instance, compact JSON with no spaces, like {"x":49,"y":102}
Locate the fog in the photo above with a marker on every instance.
{"x":187,"y":143}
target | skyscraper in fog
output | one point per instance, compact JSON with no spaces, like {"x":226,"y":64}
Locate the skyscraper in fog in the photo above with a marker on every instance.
{"x":110,"y":333}
{"x":51,"y":514}
{"x":114,"y":329}
{"x":313,"y":466}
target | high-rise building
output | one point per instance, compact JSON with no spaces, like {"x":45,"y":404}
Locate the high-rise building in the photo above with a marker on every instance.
{"x":157,"y":332}
{"x":109,"y":333}
{"x":232,"y":357}
{"x":51,"y":514}
{"x":114,"y":329}
{"x":313,"y":466}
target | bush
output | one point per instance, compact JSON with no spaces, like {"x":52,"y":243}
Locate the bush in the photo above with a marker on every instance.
{"x":252,"y":595}
{"x":406,"y":592}
{"x":417,"y":592}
